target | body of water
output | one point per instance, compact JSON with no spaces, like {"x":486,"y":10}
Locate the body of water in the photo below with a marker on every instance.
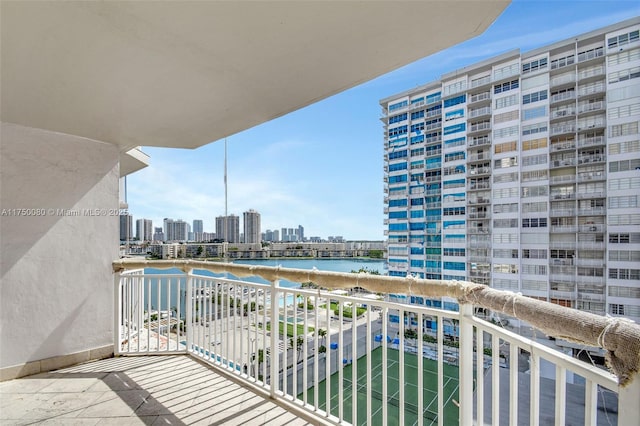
{"x":334,"y":265}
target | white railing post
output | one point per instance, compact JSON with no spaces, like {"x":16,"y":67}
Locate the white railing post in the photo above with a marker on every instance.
{"x":466,"y":365}
{"x":273,"y":351}
{"x":117,"y":301}
{"x":188,"y":300}
{"x":629,"y":403}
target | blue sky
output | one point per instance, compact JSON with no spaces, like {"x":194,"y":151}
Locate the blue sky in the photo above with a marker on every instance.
{"x":321,"y":167}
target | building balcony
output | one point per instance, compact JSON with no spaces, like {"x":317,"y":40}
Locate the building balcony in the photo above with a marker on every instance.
{"x":588,"y":195}
{"x":591,"y":176}
{"x":479,"y":127}
{"x":479,"y":112}
{"x":556,"y":180}
{"x":563,"y":196}
{"x":562,"y":129}
{"x":592,"y":89}
{"x":562,"y":97}
{"x":593,"y":227}
{"x":591,"y":107}
{"x":565,"y":145}
{"x":590,"y":159}
{"x":564,"y":229}
{"x":565,"y":162}
{"x":484,"y":81}
{"x":480,"y":97}
{"x":599,"y":263}
{"x":562,"y":212}
{"x":563,"y":80}
{"x":479,"y":141}
{"x":478,"y":171}
{"x":561,"y":113}
{"x":476,"y":186}
{"x":594,"y":211}
{"x":584,"y":141}
{"x":591,"y":54}
{"x":196,"y":348}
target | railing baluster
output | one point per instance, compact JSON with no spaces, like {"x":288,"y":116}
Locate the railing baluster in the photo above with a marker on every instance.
{"x":401,"y":313}
{"x":316,"y":357}
{"x":495,"y":380}
{"x":466,"y":364}
{"x":305,"y":352}
{"x":561,"y":392}
{"x":513,"y":383}
{"x":591,"y":403}
{"x":479,"y":377}
{"x":342,"y":364}
{"x":385,"y":366}
{"x":628,"y":406}
{"x":275,"y":296}
{"x":440,"y":343}
{"x":189,"y":315}
{"x":118,"y":326}
{"x":285,"y":336}
{"x":420,"y":369}
{"x":534,"y":377}
{"x":354,"y":372}
{"x":367,"y":329}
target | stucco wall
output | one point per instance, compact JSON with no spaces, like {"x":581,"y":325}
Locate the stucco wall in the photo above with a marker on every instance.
{"x":56,"y":294}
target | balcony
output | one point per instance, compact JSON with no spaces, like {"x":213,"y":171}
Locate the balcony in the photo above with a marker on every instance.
{"x":591,"y":107}
{"x":590,"y":141}
{"x":590,"y":159}
{"x":209,"y":307}
{"x":564,"y":79}
{"x":480,"y":97}
{"x":563,"y":96}
{"x":479,"y":127}
{"x":479,"y":141}
{"x":592,"y":89}
{"x":562,"y":113}
{"x":554,"y":180}
{"x":216,"y":357}
{"x":565,"y":162}
{"x":564,"y":145}
{"x":480,"y":112}
{"x":562,"y":129}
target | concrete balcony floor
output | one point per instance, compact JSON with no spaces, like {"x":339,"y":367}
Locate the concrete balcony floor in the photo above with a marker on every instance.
{"x":151,"y":390}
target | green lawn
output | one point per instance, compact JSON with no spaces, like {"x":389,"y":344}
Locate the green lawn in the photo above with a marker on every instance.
{"x":430,"y":390}
{"x":299,"y":329}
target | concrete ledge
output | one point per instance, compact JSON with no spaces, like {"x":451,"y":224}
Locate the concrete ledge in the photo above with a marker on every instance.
{"x":54,"y":363}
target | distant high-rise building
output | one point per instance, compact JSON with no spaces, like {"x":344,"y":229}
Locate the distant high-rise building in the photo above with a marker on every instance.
{"x":158,"y":234}
{"x":176,"y":230}
{"x":520,"y":172}
{"x":251,"y":226}
{"x":144,"y":228}
{"x":300,"y":233}
{"x":198,"y":230}
{"x":228,"y":228}
{"x":126,"y":227}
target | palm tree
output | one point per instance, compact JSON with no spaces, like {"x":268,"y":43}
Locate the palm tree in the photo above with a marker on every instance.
{"x":322,"y":333}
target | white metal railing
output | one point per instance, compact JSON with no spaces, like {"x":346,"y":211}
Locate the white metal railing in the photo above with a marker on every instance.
{"x":352,"y":359}
{"x":480,"y":97}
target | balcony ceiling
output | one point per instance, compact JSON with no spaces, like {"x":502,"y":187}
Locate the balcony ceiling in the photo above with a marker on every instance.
{"x":183,"y":74}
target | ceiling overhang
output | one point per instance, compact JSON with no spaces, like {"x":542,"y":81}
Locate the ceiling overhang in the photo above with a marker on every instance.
{"x":186,"y":73}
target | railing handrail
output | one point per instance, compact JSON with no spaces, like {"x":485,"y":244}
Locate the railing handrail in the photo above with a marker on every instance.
{"x":618,"y":336}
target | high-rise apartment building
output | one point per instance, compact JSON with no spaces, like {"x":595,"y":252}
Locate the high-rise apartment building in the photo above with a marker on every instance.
{"x":158,"y":234}
{"x":198,"y":230}
{"x":228,"y":228}
{"x":251,"y":226}
{"x":176,"y":230}
{"x":522,"y":172}
{"x":144,"y":229}
{"x":126,"y":227}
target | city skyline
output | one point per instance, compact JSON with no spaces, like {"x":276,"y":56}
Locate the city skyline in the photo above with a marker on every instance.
{"x":289,"y":182}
